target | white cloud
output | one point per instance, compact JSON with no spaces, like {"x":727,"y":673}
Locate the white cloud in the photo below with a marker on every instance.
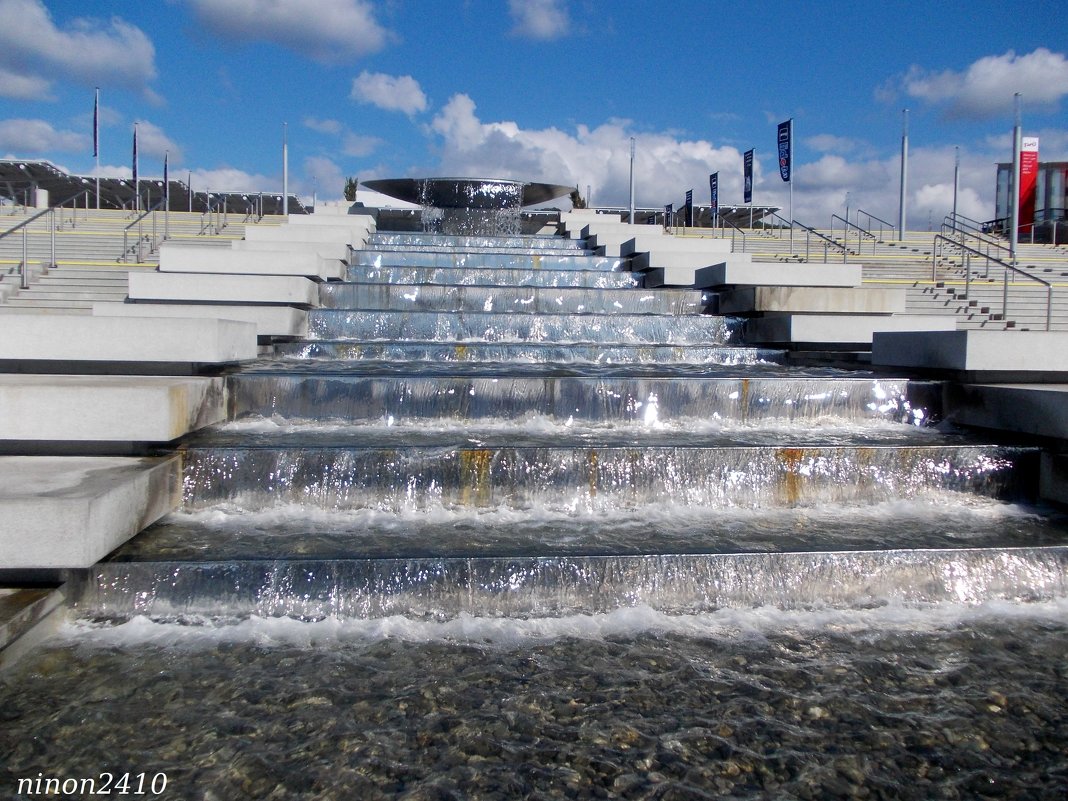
{"x":34,"y":52}
{"x":986,"y":88}
{"x":230,"y":179}
{"x":358,"y":146}
{"x":323,"y":177}
{"x":665,"y":167}
{"x":23,"y":87}
{"x":323,"y":126}
{"x":827,"y":143}
{"x":37,"y":137}
{"x":151,"y":141}
{"x":539,"y":19}
{"x":328,"y":31}
{"x":389,"y":92}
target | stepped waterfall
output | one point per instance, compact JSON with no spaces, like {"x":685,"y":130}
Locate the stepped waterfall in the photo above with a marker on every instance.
{"x":509,"y":525}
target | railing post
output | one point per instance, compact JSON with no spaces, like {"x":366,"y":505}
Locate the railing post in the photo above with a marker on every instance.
{"x":52,"y":238}
{"x":24,"y":279}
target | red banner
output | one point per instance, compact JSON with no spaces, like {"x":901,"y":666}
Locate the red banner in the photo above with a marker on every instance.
{"x":1028,"y":182}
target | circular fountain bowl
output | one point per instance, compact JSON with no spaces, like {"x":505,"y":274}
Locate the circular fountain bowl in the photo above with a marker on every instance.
{"x":467,"y":193}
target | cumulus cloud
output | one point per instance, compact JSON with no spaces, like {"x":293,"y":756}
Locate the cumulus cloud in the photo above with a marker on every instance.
{"x":986,"y":88}
{"x":827,"y":143}
{"x":389,"y":92}
{"x":151,"y":141}
{"x":599,"y":157}
{"x":328,"y":31}
{"x":321,"y":176}
{"x":666,"y":165}
{"x":37,"y":137}
{"x":24,"y":87}
{"x":34,"y":52}
{"x":358,"y":145}
{"x":539,"y":19}
{"x":323,"y":126}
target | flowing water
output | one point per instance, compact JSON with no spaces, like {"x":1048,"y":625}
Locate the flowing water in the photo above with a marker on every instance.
{"x":508,"y":525}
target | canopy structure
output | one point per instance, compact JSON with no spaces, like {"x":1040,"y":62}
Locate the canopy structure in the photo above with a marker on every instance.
{"x":20,"y":180}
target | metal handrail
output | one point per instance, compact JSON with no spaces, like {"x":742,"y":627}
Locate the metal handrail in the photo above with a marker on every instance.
{"x":139,"y":222}
{"x":950,"y":224}
{"x":861,"y":233}
{"x":827,"y":242}
{"x":734,"y":228}
{"x":968,"y":252}
{"x":24,"y":274}
{"x":880,"y":220}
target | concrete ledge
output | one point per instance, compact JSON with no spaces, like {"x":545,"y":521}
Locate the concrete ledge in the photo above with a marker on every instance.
{"x":365,"y":221}
{"x":1039,"y":409}
{"x":689,"y":244}
{"x":22,"y":610}
{"x":733,"y":272}
{"x":270,"y":321}
{"x":691,"y":260}
{"x":837,"y":329}
{"x":1053,"y":478}
{"x":70,"y":512}
{"x":748,"y":300}
{"x":179,"y":258}
{"x":80,"y":408}
{"x":681,"y":275}
{"x":325,"y":250}
{"x":60,"y":338}
{"x":212,"y":288}
{"x":307,"y":233}
{"x":978,"y":353}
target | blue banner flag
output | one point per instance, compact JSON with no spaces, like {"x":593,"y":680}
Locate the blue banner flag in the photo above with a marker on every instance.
{"x":667,"y":216}
{"x":689,"y":208}
{"x":786,"y":130}
{"x":747,"y":176}
{"x":713,"y":185}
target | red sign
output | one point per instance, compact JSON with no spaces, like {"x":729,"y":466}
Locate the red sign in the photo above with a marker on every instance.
{"x":1028,"y":182}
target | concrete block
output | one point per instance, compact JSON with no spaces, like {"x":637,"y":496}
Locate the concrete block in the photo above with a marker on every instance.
{"x":179,"y":258}
{"x":107,"y":408}
{"x":325,"y":250}
{"x":840,"y":329}
{"x":1053,"y":478}
{"x":834,"y":300}
{"x":321,"y":234}
{"x":365,"y":221}
{"x":70,"y":512}
{"x":1005,"y":352}
{"x":211,"y":288}
{"x":1040,"y":409}
{"x":738,"y":273}
{"x":41,"y":337}
{"x":681,"y":275}
{"x":270,"y":321}
{"x":691,"y":260}
{"x":699,"y":244}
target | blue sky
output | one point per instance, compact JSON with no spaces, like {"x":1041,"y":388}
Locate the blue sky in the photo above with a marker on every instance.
{"x":543,"y":90}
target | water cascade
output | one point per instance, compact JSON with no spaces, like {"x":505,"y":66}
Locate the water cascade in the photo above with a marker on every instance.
{"x":509,"y":525}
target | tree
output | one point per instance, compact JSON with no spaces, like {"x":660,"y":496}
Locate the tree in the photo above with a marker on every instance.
{"x":350,"y":188}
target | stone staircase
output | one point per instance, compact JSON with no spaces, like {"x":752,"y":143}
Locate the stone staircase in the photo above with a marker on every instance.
{"x":95,"y":251}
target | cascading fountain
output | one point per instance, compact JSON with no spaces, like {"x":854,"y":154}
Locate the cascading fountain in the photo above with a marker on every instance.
{"x":508,"y":525}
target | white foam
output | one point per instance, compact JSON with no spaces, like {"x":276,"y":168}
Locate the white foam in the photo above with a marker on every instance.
{"x":726,"y":624}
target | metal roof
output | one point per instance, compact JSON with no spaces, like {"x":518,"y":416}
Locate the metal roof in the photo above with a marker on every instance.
{"x":19,"y":177}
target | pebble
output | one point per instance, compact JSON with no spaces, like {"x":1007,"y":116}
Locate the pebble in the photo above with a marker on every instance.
{"x":809,"y":715}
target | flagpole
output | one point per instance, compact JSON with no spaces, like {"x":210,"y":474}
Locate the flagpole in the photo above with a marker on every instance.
{"x":166,"y":195}
{"x":285,"y":168}
{"x":901,"y":212}
{"x":136,"y":178}
{"x":96,"y":143}
{"x":792,"y":140}
{"x":1014,"y":184}
{"x":631,"y":218}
